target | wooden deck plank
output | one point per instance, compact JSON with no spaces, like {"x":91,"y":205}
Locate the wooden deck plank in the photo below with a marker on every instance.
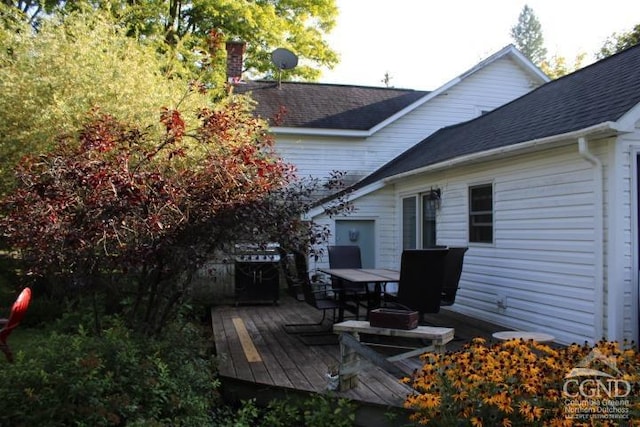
{"x":249,"y":348}
{"x":271,"y":365}
{"x":226,"y":366}
{"x":292,"y":358}
{"x":289,"y":364}
{"x":243,"y":370}
{"x":304,"y":366}
{"x":259,"y":368}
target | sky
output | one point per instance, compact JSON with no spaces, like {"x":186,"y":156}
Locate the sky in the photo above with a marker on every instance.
{"x":422,"y":44}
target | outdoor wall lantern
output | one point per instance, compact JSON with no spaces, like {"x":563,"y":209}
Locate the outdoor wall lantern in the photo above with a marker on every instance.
{"x":434,"y":196}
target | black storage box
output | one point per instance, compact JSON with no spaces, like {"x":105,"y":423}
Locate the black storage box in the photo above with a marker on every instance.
{"x":393,"y":318}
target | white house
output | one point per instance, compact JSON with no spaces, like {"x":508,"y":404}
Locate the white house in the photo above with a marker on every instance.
{"x":543,"y":190}
{"x":322,"y":127}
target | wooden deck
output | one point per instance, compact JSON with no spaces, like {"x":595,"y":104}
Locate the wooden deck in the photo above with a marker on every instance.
{"x":258,"y":359}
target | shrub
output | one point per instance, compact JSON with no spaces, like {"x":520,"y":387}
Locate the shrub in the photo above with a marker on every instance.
{"x":114,"y":379}
{"x":524,"y":383}
{"x":315,"y":411}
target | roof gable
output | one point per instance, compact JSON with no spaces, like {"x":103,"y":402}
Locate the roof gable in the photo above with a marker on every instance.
{"x":602,"y":92}
{"x":300,"y":105}
{"x":327,"y":106}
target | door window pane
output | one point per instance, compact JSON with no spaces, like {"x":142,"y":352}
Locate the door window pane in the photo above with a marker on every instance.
{"x":409,"y":223}
{"x":428,"y":222}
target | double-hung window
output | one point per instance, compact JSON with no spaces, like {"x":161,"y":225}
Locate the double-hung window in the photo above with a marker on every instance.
{"x":481,"y":213}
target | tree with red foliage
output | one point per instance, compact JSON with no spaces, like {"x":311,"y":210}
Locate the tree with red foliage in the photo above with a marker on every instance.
{"x":111,"y":211}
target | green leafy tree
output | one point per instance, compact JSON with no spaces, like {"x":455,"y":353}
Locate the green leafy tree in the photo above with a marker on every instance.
{"x":527,"y":36}
{"x":33,"y":10}
{"x":298,"y":25}
{"x":619,"y":42}
{"x":557,"y":66}
{"x":49,"y":81}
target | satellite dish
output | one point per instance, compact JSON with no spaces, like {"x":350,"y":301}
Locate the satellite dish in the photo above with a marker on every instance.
{"x":284,"y":59}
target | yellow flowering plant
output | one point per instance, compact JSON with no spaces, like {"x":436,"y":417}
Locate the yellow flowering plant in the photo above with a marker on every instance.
{"x":526,"y":383}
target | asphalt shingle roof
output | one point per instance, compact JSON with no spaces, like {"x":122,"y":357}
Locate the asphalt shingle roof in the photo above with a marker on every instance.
{"x":327,"y":106}
{"x":601,"y":92}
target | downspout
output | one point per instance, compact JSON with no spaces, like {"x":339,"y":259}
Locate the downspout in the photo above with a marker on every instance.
{"x":598,"y":312}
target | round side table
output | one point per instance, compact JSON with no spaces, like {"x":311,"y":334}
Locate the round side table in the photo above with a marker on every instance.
{"x":535,"y":336}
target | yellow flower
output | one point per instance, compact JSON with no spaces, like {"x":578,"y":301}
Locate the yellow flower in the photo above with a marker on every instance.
{"x":537,"y":412}
{"x":460,"y":396}
{"x":429,"y":400}
{"x":526,"y":411}
{"x":521,"y":379}
{"x":504,"y":403}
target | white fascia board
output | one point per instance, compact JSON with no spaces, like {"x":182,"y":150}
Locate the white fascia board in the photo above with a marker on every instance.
{"x":528,"y":145}
{"x":509,"y":50}
{"x":627,"y":122}
{"x":360,"y":192}
{"x":522,"y":60}
{"x":409,"y":108}
{"x":320,"y":132}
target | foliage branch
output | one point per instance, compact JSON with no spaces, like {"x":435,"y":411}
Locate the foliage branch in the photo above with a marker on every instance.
{"x":120,"y":211}
{"x":182,"y":27}
{"x":617,"y":42}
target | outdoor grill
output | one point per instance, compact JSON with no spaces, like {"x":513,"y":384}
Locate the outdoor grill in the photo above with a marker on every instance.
{"x":257,"y":273}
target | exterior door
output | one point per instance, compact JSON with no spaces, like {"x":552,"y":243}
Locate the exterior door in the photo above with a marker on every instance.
{"x":359,"y":233}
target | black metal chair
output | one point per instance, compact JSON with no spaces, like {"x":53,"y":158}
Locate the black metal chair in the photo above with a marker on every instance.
{"x":349,"y":256}
{"x":290,"y":273}
{"x":422,"y":275}
{"x":320,"y":296}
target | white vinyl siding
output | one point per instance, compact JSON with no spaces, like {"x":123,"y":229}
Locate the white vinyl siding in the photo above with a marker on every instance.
{"x":495,"y":85}
{"x":543,"y":257}
{"x":381,"y":208}
{"x":547,"y":243}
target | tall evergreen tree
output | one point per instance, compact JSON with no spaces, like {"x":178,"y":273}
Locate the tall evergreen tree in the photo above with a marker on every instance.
{"x":527,"y":36}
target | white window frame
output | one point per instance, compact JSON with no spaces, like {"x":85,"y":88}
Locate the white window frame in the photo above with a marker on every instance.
{"x":418,"y":218}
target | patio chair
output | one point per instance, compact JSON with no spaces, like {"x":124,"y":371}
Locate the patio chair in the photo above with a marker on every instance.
{"x":320,"y":296}
{"x":453,"y":271}
{"x":289,"y":270}
{"x":422,"y":275}
{"x":18,"y":310}
{"x":348,"y":256}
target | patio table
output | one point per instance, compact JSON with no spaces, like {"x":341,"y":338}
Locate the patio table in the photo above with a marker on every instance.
{"x":363,"y":276}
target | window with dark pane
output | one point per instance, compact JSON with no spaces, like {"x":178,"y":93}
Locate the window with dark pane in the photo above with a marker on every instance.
{"x":481,"y":214}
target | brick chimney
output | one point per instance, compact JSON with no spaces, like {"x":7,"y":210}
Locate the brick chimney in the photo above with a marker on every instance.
{"x":235,"y":60}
